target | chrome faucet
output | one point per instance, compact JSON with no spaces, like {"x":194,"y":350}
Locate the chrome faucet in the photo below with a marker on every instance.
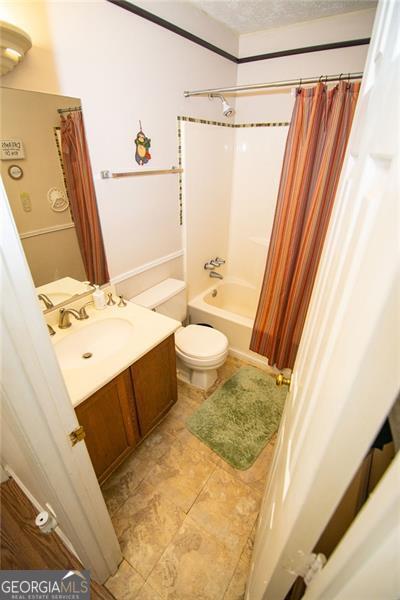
{"x":215,"y":275}
{"x":64,"y":317}
{"x":214,"y":263}
{"x":47,"y":302}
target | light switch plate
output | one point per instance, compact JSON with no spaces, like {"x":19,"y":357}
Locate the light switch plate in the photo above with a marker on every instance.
{"x":26,"y":201}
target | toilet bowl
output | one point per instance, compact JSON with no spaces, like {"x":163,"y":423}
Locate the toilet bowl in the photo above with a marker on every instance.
{"x":200,"y":350}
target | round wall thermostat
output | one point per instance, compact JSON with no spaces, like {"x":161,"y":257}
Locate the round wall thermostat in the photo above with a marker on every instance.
{"x":15,"y":172}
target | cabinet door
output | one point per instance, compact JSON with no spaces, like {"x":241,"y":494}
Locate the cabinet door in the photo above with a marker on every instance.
{"x":154,"y":383}
{"x":109,"y":420}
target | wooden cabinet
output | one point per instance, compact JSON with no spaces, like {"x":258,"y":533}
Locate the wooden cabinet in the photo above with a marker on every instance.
{"x":109,"y":420}
{"x":119,"y":415}
{"x":154,"y":383}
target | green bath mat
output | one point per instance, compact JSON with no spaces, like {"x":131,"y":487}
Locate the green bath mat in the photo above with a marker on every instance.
{"x":240,"y":417}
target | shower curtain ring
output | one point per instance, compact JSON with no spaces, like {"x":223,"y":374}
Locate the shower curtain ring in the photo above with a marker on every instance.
{"x":320,"y":78}
{"x":340,"y":76}
{"x":298,"y":90}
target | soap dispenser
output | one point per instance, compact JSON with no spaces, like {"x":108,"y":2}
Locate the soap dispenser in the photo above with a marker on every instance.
{"x":99,"y":298}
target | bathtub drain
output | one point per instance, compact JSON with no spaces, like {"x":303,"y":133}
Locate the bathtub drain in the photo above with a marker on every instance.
{"x":87,"y":355}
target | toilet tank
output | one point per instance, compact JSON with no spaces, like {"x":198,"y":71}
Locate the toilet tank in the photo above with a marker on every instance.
{"x":167,"y":298}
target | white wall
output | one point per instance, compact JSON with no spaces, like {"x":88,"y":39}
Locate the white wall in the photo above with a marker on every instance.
{"x":124,"y":69}
{"x":338,"y":28}
{"x":207,"y":161}
{"x":276,"y":105}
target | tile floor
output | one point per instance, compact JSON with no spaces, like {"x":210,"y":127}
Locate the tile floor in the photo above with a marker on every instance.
{"x":185,"y":519}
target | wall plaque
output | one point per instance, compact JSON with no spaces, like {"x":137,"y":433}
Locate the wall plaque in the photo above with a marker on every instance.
{"x":11,"y":149}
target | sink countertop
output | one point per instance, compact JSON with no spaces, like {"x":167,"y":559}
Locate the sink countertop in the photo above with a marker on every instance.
{"x":149,"y":330}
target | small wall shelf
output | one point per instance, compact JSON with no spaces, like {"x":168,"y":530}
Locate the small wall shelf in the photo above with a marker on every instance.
{"x":110,"y":175}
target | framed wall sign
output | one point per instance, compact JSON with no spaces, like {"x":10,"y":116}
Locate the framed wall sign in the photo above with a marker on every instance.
{"x":11,"y":149}
{"x":15,"y":172}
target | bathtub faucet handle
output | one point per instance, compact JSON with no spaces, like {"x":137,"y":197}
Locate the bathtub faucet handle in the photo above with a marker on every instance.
{"x":219,"y":261}
{"x":209,"y":266}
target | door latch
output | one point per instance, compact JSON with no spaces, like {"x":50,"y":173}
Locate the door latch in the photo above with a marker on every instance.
{"x":77,"y":435}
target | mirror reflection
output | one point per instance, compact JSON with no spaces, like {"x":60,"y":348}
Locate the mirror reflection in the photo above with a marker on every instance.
{"x":47,"y":175}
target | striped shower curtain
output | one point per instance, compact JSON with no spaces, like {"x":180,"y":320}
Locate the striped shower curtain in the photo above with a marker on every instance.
{"x":313,"y":159}
{"x":82,"y":196}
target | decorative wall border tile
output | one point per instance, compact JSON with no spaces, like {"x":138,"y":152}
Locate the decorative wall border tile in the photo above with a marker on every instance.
{"x":218,"y":124}
{"x":234,"y":125}
{"x":60,"y":158}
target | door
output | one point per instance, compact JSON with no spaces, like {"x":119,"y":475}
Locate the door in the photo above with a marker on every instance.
{"x":37,"y":418}
{"x":345,"y":379}
{"x":24,"y":547}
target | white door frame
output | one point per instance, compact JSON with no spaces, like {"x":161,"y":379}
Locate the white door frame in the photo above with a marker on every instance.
{"x":346,"y":372}
{"x":37,"y":416}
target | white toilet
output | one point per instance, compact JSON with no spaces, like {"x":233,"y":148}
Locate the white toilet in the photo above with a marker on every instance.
{"x":200,"y":350}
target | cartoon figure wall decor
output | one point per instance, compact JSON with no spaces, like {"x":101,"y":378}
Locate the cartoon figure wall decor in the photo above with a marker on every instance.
{"x":143,"y":143}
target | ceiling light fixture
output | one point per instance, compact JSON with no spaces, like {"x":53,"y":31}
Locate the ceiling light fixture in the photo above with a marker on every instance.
{"x":14,"y":43}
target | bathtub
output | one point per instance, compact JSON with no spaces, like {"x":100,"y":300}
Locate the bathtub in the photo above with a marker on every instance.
{"x":229,"y":306}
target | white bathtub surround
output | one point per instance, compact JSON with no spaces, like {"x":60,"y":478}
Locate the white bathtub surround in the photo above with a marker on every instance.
{"x":230,"y":311}
{"x":207,"y":161}
{"x":255,"y":181}
{"x":230,"y":184}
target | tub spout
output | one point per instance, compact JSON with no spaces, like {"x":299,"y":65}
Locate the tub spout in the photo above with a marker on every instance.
{"x":215,"y":275}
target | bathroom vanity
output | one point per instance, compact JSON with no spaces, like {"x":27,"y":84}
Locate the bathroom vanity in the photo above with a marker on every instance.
{"x":119,"y":415}
{"x":119,"y":368}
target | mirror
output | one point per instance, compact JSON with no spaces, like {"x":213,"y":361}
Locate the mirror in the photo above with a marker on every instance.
{"x":38,"y":181}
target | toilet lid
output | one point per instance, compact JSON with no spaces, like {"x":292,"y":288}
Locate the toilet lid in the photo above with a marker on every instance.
{"x":200,"y":342}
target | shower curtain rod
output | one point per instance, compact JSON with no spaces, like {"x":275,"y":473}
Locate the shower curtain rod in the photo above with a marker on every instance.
{"x":275,"y":84}
{"x":70,"y":109}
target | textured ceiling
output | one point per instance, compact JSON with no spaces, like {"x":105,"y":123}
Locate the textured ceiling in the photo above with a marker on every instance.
{"x":246,"y":16}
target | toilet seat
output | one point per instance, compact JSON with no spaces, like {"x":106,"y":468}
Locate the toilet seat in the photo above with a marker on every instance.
{"x":202,"y":345}
{"x":211,"y":363}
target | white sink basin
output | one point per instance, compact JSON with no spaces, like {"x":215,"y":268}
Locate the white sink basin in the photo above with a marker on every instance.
{"x":93,"y":343}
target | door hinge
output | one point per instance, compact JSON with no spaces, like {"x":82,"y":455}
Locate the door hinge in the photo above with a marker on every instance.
{"x":306,"y":565}
{"x":77,"y":435}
